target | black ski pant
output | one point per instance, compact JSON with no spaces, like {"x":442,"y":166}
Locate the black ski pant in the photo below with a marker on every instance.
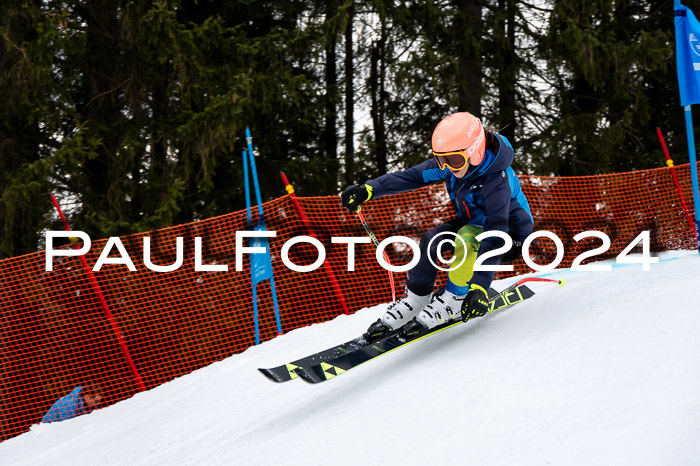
{"x":421,"y":278}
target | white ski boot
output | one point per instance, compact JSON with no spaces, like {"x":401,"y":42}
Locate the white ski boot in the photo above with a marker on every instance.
{"x":397,"y":314}
{"x":444,"y":308}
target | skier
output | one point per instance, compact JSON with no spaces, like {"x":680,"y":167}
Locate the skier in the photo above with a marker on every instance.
{"x":82,"y":400}
{"x":485,"y":192}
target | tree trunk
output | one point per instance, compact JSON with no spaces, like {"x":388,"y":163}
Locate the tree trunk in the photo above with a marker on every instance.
{"x":349,"y":102}
{"x":507,"y":68}
{"x":468,"y":32}
{"x":377,"y":92}
{"x":102,"y":199}
{"x":330,"y":136}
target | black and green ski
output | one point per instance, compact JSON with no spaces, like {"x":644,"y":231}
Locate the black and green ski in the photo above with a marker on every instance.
{"x":286,"y":372}
{"x":331,"y":368}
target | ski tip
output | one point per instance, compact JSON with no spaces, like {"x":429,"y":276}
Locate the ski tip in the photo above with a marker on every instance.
{"x":562,"y":282}
{"x":270,"y":375}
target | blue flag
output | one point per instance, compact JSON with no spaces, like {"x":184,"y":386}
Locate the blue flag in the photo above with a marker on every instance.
{"x":260,"y":263}
{"x":687,"y":55}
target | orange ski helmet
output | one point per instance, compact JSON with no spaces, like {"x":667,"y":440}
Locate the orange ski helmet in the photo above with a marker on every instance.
{"x":459,"y":138}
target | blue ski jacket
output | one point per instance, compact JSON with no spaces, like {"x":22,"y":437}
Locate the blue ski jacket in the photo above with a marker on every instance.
{"x":68,"y":407}
{"x":489,"y":196}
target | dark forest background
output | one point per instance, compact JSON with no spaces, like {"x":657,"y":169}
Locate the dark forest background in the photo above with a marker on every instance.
{"x":133,"y":112}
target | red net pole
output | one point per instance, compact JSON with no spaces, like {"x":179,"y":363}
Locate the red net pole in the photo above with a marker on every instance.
{"x":309,"y":228}
{"x":669,"y":162}
{"x":103,"y":302}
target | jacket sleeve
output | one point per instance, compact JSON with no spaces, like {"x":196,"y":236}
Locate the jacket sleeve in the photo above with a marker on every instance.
{"x":497,"y":195}
{"x":412,"y":178}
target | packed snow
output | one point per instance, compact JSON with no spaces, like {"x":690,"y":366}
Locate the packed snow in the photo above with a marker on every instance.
{"x":602,"y":371}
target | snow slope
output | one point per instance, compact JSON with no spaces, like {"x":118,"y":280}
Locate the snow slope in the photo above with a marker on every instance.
{"x":605,"y":371}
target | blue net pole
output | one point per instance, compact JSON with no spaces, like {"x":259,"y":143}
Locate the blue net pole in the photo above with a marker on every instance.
{"x":261,"y":226}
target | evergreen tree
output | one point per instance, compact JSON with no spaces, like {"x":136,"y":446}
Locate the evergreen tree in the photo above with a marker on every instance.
{"x":20,"y":135}
{"x":42,"y":139}
{"x":602,"y":56}
{"x":133,"y":112}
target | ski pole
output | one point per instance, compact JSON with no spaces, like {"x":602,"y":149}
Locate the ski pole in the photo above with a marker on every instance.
{"x":376,"y":243}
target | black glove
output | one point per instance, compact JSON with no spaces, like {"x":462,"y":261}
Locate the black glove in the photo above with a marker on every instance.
{"x":355,"y":195}
{"x":476,"y":304}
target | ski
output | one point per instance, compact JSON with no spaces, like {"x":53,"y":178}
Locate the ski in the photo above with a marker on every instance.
{"x":331,"y":368}
{"x":286,"y":372}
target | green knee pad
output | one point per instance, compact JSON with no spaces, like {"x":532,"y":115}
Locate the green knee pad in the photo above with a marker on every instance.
{"x":461,"y":275}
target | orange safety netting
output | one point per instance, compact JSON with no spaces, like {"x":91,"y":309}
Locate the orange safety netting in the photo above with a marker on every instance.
{"x":56,"y":336}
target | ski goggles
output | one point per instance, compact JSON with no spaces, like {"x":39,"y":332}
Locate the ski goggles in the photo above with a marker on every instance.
{"x":456,"y":160}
